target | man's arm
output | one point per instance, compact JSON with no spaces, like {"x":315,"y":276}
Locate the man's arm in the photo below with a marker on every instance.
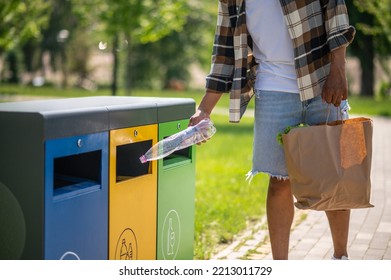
{"x":335,"y":88}
{"x":205,"y":108}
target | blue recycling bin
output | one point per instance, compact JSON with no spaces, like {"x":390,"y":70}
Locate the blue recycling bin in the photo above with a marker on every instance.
{"x":76,"y":202}
{"x":54,"y":179}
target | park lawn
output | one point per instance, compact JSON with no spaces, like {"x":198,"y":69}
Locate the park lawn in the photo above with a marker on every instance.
{"x":225,"y":202}
{"x":370,"y":106}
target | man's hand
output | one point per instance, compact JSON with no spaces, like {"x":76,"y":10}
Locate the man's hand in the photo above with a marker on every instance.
{"x":335,"y":89}
{"x":198,"y":116}
{"x":207,"y":104}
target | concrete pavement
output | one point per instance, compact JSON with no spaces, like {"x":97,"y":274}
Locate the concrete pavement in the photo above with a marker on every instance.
{"x":370,"y":228}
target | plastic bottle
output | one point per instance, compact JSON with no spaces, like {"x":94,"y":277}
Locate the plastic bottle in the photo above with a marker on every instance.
{"x":188,"y":137}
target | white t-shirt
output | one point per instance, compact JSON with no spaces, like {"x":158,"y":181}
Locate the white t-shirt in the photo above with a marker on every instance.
{"x":272,"y":46}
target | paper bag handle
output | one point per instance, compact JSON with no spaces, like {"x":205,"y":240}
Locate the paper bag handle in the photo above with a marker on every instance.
{"x":339,"y":114}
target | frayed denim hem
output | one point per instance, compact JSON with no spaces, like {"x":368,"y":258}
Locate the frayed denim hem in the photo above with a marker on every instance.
{"x":251,"y":174}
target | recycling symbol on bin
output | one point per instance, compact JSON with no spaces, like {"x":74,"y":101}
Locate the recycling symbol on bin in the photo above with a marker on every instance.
{"x":171,"y":235}
{"x":126,"y":246}
{"x":70,"y":256}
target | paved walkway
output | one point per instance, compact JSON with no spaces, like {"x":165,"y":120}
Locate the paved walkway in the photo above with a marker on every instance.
{"x":370,"y":229}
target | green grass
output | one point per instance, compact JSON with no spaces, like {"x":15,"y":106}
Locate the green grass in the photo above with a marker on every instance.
{"x":225,"y":202}
{"x":370,"y":106}
{"x":8,"y":91}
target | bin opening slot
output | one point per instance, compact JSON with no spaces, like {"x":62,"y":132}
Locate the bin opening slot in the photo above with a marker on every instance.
{"x":77,"y":174}
{"x":177,"y":157}
{"x":128,"y":160}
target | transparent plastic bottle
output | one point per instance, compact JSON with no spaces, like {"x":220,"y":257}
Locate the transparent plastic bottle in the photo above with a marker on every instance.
{"x":188,"y":137}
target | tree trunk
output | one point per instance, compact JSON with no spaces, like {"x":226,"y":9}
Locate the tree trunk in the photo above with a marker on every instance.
{"x":128,"y":67}
{"x":368,"y":68}
{"x":64,"y":68}
{"x":13,"y":68}
{"x":114,"y":80}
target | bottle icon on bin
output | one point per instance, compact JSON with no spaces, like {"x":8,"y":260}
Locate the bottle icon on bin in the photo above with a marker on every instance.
{"x":126,"y":253}
{"x":170,"y":238}
{"x":171,"y":235}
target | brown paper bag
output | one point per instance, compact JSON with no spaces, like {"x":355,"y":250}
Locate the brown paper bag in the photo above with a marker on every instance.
{"x":329,"y":166}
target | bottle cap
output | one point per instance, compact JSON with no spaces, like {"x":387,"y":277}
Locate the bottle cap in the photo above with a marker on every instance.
{"x":143,"y":159}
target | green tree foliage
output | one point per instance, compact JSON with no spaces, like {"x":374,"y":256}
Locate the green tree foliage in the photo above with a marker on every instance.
{"x":136,"y":21}
{"x":144,"y":20}
{"x":166,"y":62}
{"x":381,"y":28}
{"x":21,"y":20}
{"x":372,"y":20}
{"x":58,"y":36}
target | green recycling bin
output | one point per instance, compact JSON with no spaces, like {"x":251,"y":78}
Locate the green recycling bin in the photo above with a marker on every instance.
{"x":176,"y":192}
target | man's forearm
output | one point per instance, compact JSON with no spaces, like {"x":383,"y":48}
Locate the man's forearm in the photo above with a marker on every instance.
{"x":208,"y":102}
{"x":338,"y":57}
{"x":335,"y":88}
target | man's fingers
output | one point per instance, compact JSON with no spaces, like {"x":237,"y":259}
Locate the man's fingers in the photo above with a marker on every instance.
{"x":334,"y":97}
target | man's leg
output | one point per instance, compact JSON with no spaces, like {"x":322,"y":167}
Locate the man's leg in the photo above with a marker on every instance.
{"x":280,"y":213}
{"x":339,"y":227}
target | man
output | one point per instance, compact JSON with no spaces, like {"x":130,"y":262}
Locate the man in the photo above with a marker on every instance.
{"x":292,"y":53}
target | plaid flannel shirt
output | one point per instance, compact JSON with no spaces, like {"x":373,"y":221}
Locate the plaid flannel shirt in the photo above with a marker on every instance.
{"x":316,"y":27}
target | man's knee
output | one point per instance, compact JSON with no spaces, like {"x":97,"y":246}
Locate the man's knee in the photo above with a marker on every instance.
{"x":279,"y":187}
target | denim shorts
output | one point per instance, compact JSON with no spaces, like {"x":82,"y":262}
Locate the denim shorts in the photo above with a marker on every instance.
{"x":274,"y":111}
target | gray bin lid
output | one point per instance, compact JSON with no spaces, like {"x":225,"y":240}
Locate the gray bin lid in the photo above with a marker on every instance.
{"x":168,"y":109}
{"x":85,"y":115}
{"x":60,"y":117}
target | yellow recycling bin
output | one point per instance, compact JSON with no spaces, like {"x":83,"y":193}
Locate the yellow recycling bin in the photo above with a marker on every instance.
{"x":132,"y":194}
